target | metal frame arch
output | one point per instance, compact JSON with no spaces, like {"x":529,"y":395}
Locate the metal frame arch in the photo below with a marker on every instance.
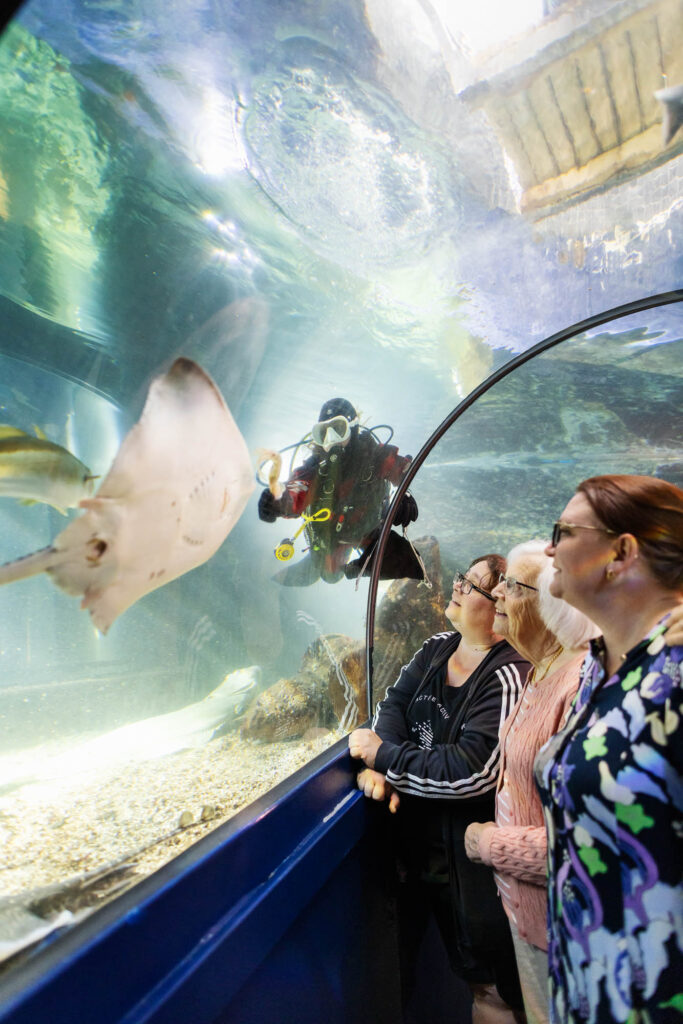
{"x":616,"y":313}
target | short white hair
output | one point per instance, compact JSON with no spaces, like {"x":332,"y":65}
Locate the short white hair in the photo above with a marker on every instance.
{"x":571,"y":627}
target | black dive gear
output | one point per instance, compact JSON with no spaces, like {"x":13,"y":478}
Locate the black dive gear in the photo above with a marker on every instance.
{"x":267,"y":507}
{"x":400,"y":560}
{"x":342,"y":492}
{"x":406,"y":512}
{"x":337,"y":407}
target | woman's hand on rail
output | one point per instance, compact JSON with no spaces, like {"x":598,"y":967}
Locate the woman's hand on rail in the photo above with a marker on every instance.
{"x":376,"y":787}
{"x":473,"y":834}
{"x":364,"y":743}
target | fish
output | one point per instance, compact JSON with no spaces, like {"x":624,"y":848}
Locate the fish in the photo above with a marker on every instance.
{"x":32,"y":915}
{"x":671,"y":99}
{"x":176,"y":488}
{"x":144,"y":740}
{"x":37,"y":470}
{"x":265,"y":455}
{"x":20,"y":928}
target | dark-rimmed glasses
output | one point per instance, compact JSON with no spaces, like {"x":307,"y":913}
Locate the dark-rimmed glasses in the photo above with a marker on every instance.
{"x":512,"y":585}
{"x":465,"y":585}
{"x":560,"y":530}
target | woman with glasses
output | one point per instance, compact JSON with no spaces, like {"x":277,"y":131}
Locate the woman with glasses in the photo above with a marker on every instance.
{"x":554,"y":637}
{"x":611,"y":782}
{"x":433,"y":747}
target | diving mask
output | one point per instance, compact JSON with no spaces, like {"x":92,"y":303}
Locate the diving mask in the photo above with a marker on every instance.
{"x":328,"y":433}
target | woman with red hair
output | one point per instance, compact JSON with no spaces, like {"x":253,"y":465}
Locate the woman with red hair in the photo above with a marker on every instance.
{"x":610,"y":781}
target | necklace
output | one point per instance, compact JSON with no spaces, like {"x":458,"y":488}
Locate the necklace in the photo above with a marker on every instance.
{"x":481,"y":647}
{"x":532,"y":677}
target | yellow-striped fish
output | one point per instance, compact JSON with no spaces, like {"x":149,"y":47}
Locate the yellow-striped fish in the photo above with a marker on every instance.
{"x":35,"y":469}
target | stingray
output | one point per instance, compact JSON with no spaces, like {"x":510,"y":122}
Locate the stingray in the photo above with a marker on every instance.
{"x":178,"y":485}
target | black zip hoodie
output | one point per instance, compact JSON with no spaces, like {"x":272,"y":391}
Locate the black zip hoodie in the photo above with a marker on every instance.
{"x":445,"y":767}
{"x":428,"y":753}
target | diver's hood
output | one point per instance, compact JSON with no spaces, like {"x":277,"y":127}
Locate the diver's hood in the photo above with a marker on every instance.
{"x":328,"y":434}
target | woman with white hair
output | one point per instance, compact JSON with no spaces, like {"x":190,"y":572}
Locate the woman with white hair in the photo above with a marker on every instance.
{"x":554,"y":637}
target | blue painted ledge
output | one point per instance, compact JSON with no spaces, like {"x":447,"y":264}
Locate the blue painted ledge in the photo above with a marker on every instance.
{"x":179,"y":945}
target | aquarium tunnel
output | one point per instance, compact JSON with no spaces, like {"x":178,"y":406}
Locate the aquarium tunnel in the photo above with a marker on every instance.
{"x":366,"y":249}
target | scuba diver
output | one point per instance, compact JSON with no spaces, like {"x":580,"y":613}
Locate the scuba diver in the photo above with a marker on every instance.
{"x":342,"y":491}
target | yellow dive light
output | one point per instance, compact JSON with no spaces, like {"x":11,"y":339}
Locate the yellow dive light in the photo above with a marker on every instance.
{"x":285,"y":549}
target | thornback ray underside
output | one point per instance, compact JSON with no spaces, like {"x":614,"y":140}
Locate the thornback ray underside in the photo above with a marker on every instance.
{"x":178,"y":485}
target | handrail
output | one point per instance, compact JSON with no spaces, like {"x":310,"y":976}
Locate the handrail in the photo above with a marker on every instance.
{"x":650,"y":302}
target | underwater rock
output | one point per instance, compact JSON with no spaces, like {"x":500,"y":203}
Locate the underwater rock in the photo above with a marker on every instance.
{"x":285,"y":711}
{"x":347,"y":688}
{"x":337,"y":663}
{"x":327,"y":693}
{"x":408,"y":613}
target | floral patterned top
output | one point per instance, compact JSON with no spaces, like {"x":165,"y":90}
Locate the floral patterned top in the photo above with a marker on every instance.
{"x":612,"y":794}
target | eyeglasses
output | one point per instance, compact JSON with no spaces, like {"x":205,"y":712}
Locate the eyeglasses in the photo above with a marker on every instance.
{"x":466,"y":586}
{"x":512,"y":585}
{"x":561,"y":530}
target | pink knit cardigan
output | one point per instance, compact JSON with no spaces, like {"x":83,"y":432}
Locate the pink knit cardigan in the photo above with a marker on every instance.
{"x":516,"y":848}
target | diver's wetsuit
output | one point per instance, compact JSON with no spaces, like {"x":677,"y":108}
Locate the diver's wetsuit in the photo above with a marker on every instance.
{"x":353,"y":482}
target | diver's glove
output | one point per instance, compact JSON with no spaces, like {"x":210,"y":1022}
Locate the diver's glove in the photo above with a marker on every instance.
{"x":406,"y":512}
{"x":268,"y":507}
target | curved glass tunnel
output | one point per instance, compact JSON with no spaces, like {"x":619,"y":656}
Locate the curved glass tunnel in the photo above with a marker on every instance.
{"x":366,"y":200}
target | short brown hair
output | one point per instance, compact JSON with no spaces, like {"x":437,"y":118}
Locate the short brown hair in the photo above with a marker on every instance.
{"x":651,"y":510}
{"x":496,"y":565}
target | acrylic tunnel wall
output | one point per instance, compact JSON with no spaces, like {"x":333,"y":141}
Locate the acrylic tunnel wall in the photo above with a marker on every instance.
{"x":378,"y":201}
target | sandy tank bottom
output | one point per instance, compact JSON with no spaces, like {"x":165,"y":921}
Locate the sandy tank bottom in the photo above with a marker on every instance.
{"x":72,"y":843}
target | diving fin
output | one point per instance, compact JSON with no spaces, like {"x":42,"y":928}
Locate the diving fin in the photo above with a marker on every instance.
{"x":398,"y":563}
{"x":301,"y":574}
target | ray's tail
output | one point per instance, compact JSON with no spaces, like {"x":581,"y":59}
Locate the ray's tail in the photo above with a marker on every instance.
{"x":29,"y":565}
